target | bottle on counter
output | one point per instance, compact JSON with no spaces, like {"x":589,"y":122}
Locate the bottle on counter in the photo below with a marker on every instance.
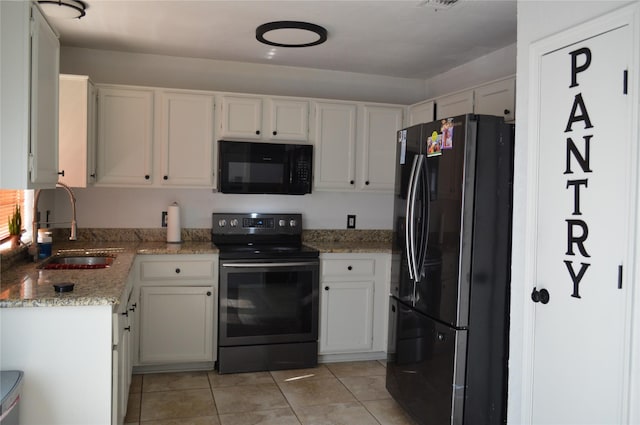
{"x":45,"y":242}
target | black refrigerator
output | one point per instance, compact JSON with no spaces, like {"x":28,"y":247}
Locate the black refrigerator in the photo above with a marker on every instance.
{"x":450,"y":277}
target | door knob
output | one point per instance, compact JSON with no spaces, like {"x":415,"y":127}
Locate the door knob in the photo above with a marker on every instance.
{"x":540,"y":296}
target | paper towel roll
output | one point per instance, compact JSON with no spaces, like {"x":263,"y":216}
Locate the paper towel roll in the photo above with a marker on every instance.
{"x":173,"y":223}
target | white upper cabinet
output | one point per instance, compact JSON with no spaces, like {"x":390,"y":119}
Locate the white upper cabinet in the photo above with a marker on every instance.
{"x":125,"y":136}
{"x":422,"y":112}
{"x":335,"y":146}
{"x":264,"y":118}
{"x":241,"y":117}
{"x":186,"y":139}
{"x":155,"y":137}
{"x":77,"y":131}
{"x":344,"y":132}
{"x":29,"y":69}
{"x":455,"y":104}
{"x":377,"y":161}
{"x":289,"y":119}
{"x":498,"y":98}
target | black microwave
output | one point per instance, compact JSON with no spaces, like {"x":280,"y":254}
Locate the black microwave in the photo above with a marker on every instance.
{"x":256,"y":167}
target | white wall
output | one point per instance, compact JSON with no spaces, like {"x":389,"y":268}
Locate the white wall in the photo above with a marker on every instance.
{"x":536,"y":20}
{"x":205,"y":74}
{"x":495,"y":65}
{"x":142,"y":208}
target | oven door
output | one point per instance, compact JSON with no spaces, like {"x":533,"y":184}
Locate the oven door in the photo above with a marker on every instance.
{"x":267,"y":301}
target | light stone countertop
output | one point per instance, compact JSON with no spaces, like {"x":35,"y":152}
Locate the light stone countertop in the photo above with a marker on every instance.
{"x":24,"y":285}
{"x":346,"y":247}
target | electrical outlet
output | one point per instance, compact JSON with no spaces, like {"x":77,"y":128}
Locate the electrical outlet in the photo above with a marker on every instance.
{"x":164,"y":219}
{"x":351,"y":221}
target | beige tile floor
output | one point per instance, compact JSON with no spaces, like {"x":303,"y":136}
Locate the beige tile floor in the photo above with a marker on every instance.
{"x":351,"y":393}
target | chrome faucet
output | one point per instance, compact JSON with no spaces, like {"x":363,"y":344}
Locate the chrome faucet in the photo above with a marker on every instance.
{"x":34,"y":226}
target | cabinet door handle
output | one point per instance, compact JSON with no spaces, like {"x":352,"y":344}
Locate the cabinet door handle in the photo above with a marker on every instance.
{"x":93,"y":176}
{"x":128,"y":328}
{"x":147,"y":177}
{"x":326,"y":288}
{"x":275,"y":133}
{"x":177,"y":270}
{"x":126,"y":313}
{"x":61,"y":173}
{"x":350,"y":268}
{"x":367,"y":182}
{"x":208,"y":293}
{"x":507,"y":112}
{"x":351,"y":182}
{"x":258,"y":132}
{"x":166,"y":177}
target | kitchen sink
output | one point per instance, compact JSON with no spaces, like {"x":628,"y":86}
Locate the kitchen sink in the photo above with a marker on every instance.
{"x":77,"y":262}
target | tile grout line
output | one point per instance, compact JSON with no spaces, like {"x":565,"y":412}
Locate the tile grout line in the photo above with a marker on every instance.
{"x":285,"y":397}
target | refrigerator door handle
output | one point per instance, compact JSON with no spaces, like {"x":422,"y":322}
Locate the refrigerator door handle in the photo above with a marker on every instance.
{"x":408,"y":225}
{"x":426,"y":210}
{"x":412,"y":219}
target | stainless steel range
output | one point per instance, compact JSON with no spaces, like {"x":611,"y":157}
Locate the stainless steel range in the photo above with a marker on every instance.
{"x":269,"y":283}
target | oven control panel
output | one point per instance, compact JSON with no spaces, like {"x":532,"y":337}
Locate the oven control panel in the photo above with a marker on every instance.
{"x":254,"y":223}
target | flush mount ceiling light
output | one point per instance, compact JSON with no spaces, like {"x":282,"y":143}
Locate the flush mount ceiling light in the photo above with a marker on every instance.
{"x":291,"y":34}
{"x":66,"y":9}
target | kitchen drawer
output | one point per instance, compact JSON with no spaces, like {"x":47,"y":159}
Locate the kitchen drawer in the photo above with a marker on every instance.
{"x":175,"y":270}
{"x":348,"y":267}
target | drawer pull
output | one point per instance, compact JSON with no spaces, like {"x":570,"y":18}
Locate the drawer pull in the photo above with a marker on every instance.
{"x":177,"y":270}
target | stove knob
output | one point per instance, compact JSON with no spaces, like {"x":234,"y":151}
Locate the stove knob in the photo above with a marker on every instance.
{"x":293,"y":223}
{"x":222,"y":222}
{"x":234,"y":222}
{"x":282,"y":223}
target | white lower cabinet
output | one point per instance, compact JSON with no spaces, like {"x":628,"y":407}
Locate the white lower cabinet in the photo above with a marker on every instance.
{"x":347,"y":316}
{"x":176,"y":324}
{"x":177,"y":309}
{"x":124,"y":325}
{"x":353,"y":311}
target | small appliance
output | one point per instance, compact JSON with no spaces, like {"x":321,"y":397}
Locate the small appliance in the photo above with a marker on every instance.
{"x":267,"y":168}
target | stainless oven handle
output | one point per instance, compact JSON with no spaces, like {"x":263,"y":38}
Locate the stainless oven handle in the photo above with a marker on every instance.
{"x":292,"y":264}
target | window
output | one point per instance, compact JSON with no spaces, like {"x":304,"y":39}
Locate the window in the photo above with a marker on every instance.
{"x":8,"y":201}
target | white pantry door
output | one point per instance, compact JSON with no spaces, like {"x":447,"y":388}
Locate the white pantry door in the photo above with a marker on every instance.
{"x":583,"y":223}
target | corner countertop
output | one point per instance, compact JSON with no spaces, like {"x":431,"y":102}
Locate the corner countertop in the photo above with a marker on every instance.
{"x":24,"y":285}
{"x":346,"y":247}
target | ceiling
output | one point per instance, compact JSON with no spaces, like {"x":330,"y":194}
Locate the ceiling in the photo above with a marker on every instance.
{"x":400,"y":38}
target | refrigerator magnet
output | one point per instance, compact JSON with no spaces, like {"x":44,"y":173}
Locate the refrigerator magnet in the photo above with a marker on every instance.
{"x":434,"y":144}
{"x":447,"y":133}
{"x":402,"y":139}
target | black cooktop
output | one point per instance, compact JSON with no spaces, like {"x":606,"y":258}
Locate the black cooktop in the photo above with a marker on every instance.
{"x":281,"y":252}
{"x":259,"y":236}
